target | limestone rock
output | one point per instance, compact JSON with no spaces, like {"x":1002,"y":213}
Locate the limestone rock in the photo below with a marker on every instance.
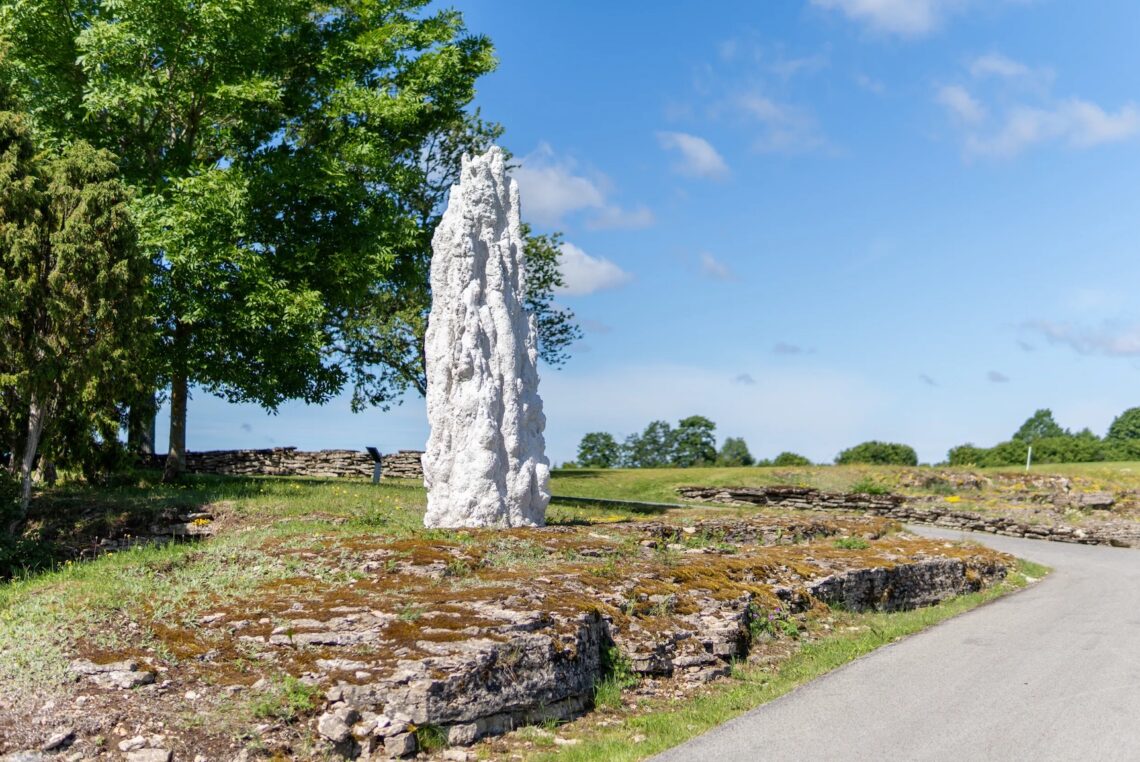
{"x":149,"y":755}
{"x":485,"y":463}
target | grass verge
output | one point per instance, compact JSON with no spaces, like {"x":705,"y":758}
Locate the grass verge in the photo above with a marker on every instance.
{"x":666,"y":725}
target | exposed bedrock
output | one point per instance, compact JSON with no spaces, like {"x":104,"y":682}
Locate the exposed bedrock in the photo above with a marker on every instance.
{"x":485,"y":464}
{"x":933,"y":511}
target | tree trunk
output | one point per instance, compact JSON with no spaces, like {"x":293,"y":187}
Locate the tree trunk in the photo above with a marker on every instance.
{"x":36,"y":418}
{"x":141,"y":424}
{"x":176,"y":453}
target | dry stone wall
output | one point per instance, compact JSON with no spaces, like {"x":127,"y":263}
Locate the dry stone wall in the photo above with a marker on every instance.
{"x":917,"y":511}
{"x":289,"y":461}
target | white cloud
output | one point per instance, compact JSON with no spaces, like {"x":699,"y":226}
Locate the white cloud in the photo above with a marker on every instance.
{"x":618,"y":217}
{"x":787,"y":128}
{"x":906,"y":18}
{"x":697,"y":158}
{"x":1076,"y":122}
{"x":963,"y":106}
{"x":870,"y":84}
{"x":1026,"y":113}
{"x":714,"y":268}
{"x":1111,"y":339}
{"x":552,"y":187}
{"x":584,"y":274}
{"x":997,"y":65}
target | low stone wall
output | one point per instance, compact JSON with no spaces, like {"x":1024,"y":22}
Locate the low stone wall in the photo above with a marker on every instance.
{"x":289,"y":461}
{"x":917,"y":511}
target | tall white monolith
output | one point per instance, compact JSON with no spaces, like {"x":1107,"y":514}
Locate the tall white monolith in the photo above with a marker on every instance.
{"x":485,"y":464}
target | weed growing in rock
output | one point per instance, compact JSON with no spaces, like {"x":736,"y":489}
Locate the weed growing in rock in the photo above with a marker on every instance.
{"x":851,"y":543}
{"x":868,"y":486}
{"x":411,"y":613}
{"x":511,"y":553}
{"x":617,"y":675}
{"x":430,"y":738}
{"x":771,"y":624}
{"x":285,"y":700}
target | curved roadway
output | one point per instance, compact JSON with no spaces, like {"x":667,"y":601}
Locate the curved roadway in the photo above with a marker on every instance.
{"x":1050,"y":673}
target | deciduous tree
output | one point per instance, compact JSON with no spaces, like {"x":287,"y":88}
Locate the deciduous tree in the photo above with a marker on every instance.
{"x":734,"y":452}
{"x":598,"y":450}
{"x":694,"y":442}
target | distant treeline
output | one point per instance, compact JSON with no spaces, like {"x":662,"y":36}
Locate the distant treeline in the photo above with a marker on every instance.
{"x":693,"y":443}
{"x":1053,"y":444}
{"x":659,"y":445}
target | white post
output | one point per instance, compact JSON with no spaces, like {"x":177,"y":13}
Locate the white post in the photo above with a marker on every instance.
{"x":1028,"y":458}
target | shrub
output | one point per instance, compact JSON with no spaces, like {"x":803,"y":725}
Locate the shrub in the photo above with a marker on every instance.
{"x":734,"y":452}
{"x":879,"y":453}
{"x":866,"y":486}
{"x":790,"y":459}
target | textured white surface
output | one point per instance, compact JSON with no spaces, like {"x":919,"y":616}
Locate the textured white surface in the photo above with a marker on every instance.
{"x":485,"y":463}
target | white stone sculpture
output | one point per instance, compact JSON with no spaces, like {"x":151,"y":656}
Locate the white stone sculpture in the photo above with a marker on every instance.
{"x":485,"y":464}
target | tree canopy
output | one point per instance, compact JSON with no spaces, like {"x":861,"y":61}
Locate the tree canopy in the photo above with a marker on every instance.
{"x":734,"y":452}
{"x":73,"y":294}
{"x":1040,"y":425}
{"x":1125,"y":427}
{"x":598,"y":450}
{"x":878,"y":453}
{"x":291,"y":161}
{"x":694,"y":442}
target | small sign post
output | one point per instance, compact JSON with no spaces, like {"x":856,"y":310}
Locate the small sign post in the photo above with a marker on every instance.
{"x":377,"y":464}
{"x":1028,"y":458}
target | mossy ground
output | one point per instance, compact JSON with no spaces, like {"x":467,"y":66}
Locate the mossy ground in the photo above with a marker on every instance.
{"x":330,"y":544}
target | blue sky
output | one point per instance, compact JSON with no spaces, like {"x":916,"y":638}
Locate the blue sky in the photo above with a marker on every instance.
{"x":815,"y":222}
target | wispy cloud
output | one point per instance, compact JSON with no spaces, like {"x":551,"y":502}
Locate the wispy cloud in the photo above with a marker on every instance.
{"x":714,"y":268}
{"x":870,"y":84}
{"x":998,"y":65}
{"x":1029,"y":115}
{"x":904,"y":18}
{"x":584,"y":274}
{"x":1075,"y":122}
{"x":964,"y":107}
{"x":1025,"y":346}
{"x":744,"y":378}
{"x":553,"y":187}
{"x":697,"y":157}
{"x":594,"y":326}
{"x":1111,"y":339}
{"x":994,"y":377}
{"x":787,"y":349}
{"x":927,"y":380}
{"x":618,"y":217}
{"x":785,"y":128}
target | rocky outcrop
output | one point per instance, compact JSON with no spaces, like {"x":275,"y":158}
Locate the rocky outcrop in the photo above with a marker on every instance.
{"x":289,"y":461}
{"x":480,"y":634}
{"x":485,"y":464}
{"x":929,"y":510}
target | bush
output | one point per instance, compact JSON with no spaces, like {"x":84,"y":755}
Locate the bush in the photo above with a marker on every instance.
{"x":790,"y":459}
{"x":9,"y":494}
{"x":878,"y":453}
{"x":968,"y":455}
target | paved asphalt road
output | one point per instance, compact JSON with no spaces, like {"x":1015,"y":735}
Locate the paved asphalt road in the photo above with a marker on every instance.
{"x":1051,"y":673}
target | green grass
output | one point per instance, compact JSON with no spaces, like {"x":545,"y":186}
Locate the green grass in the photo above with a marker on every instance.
{"x":43,"y":612}
{"x":285,"y":700}
{"x":660,"y":484}
{"x":668,"y":725}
